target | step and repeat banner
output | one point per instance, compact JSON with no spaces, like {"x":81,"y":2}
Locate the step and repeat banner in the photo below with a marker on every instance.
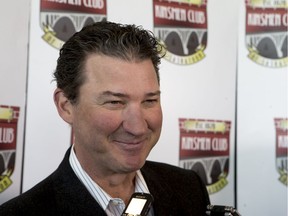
{"x":199,"y":92}
{"x":13,"y":71}
{"x":198,"y":84}
{"x":262,"y":109}
{"x":198,"y":77}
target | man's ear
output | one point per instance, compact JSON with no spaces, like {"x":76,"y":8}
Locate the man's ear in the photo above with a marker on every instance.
{"x":63,"y":105}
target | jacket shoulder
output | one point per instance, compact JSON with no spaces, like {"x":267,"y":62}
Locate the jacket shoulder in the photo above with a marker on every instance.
{"x":40,"y":195}
{"x":182,"y":189}
{"x":168,"y":169}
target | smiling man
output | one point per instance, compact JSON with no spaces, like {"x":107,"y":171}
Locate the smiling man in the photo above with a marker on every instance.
{"x":108,"y":90}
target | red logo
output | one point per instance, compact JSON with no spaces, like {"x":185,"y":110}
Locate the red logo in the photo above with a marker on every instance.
{"x":266,"y":32}
{"x":281,"y":126}
{"x":59,"y":20}
{"x":8,"y":133}
{"x":204,"y":148}
{"x":182,"y":27}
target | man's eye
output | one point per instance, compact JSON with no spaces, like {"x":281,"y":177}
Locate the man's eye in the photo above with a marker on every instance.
{"x":114,"y":104}
{"x":150,"y":102}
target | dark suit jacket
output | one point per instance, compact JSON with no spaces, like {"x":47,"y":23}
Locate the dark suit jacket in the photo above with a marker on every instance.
{"x":176,"y":192}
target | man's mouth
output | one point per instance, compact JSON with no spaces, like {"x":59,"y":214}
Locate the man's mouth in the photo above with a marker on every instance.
{"x":131,"y":144}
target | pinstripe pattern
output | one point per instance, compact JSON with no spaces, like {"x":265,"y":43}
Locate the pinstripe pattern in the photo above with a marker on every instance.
{"x":112,"y":206}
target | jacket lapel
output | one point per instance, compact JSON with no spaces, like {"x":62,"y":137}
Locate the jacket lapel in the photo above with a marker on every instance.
{"x":71,"y":195}
{"x":163,"y":195}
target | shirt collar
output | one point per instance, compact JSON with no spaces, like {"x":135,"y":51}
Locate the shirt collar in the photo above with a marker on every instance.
{"x":94,"y":189}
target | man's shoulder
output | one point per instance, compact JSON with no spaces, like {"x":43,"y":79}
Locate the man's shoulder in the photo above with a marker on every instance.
{"x":161,"y":165}
{"x":183,"y":185}
{"x":39,"y":195}
{"x":164,"y":169}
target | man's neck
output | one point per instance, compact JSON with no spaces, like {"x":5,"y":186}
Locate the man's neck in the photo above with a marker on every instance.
{"x":118,"y":185}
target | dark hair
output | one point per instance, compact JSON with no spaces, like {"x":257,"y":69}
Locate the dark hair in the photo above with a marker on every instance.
{"x":127,"y":42}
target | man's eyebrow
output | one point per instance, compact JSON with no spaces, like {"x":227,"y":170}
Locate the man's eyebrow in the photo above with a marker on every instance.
{"x":123,"y":95}
{"x":151,"y":94}
{"x":111,"y":93}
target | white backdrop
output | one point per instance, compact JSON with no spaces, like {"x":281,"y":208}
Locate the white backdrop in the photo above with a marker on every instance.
{"x":205,"y":90}
{"x":262,"y":96}
{"x":13,"y":71}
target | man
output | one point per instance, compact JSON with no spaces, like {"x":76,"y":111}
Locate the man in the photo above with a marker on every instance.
{"x":108,"y":91}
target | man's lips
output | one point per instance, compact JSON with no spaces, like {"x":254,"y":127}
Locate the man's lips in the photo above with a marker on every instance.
{"x":130,"y":142}
{"x":131,"y":145}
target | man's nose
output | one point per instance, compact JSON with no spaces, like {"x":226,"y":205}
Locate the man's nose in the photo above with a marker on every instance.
{"x":134,"y":121}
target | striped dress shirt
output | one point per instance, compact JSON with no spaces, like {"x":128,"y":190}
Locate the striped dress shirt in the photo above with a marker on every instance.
{"x":112,"y":206}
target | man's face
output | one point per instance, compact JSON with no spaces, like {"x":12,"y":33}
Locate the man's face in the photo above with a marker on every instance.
{"x":118,"y":117}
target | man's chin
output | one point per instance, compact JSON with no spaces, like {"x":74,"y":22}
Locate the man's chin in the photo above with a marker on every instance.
{"x":133,"y":166}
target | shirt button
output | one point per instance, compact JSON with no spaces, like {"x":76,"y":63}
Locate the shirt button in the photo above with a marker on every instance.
{"x":115,"y":202}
